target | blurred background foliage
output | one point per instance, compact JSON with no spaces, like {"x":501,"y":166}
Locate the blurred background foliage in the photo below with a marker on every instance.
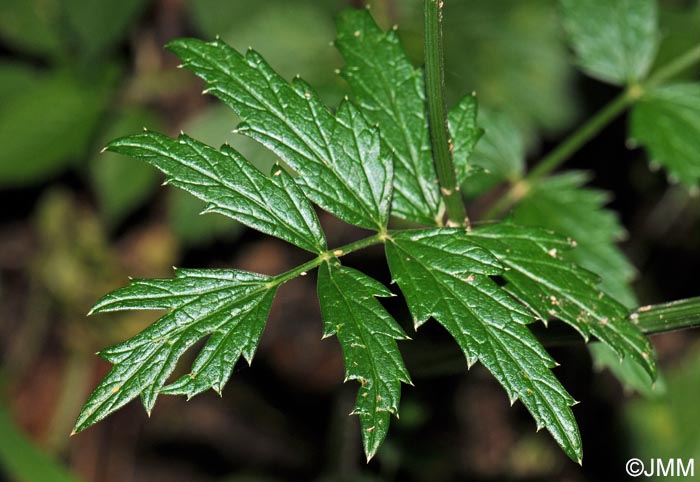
{"x":77,"y":73}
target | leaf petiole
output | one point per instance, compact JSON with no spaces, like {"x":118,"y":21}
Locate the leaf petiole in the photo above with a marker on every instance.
{"x":589,"y":129}
{"x":378,"y":238}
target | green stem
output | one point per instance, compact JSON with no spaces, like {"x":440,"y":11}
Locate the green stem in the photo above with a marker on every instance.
{"x":378,"y":238}
{"x":671,"y":316}
{"x":587,"y":131}
{"x":674,"y":67}
{"x":562,"y":152}
{"x":426,"y":360}
{"x":437,"y":115}
{"x":651,"y":320}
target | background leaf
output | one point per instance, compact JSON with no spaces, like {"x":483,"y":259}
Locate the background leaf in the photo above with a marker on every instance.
{"x":664,"y":426}
{"x":464,"y":134}
{"x":511,"y":53}
{"x":95,"y":27}
{"x":122,"y":183}
{"x":65,"y":127}
{"x":500,"y":153}
{"x":630,"y":373}
{"x":192,"y":228}
{"x":614,"y":40}
{"x":678,"y":25}
{"x":666,"y":121}
{"x":308,"y":29}
{"x":31,"y":25}
{"x":22,"y":460}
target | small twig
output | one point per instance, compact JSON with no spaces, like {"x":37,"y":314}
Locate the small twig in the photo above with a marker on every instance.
{"x":588,"y":130}
{"x":437,"y":115}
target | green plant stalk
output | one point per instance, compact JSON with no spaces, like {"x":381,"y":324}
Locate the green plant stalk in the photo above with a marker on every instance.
{"x":651,"y":319}
{"x":671,"y":316}
{"x":586,"y":132}
{"x":590,"y":128}
{"x":674,"y":67}
{"x":327,"y":256}
{"x":437,"y":115}
{"x":562,"y":152}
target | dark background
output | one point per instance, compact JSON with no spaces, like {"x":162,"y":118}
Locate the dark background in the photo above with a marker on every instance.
{"x":76,"y":73}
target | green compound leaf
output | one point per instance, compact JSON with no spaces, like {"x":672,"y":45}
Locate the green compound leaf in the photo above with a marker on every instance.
{"x":231,"y":186}
{"x":229,"y":307}
{"x":554,"y":288}
{"x":442,"y":273}
{"x":614,"y":40}
{"x":391,"y":92}
{"x":464,"y":133}
{"x":565,"y":205}
{"x":344,"y":166}
{"x":666,"y":121}
{"x":367,"y":335}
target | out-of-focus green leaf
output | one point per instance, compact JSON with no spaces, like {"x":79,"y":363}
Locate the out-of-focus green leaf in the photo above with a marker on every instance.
{"x":631,"y":374}
{"x":21,"y":460}
{"x":614,"y":40}
{"x":511,"y":53}
{"x":122,"y":183}
{"x":191,"y":227}
{"x":500,"y":153}
{"x":562,"y":203}
{"x":31,"y":25}
{"x":304,"y":48}
{"x":465,"y":134}
{"x":667,"y":426}
{"x":48,"y":125}
{"x":95,"y":26}
{"x":666,"y":121}
{"x":680,"y":31}
{"x":55,"y":28}
{"x":15,"y":77}
{"x":214,"y":125}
